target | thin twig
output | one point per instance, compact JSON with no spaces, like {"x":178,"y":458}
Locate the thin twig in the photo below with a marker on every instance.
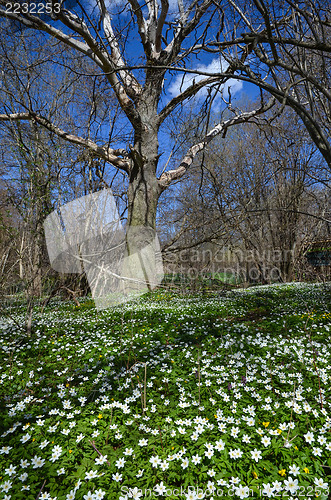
{"x":289,"y":428}
{"x":145,"y":396}
{"x":199,"y":376}
{"x":41,"y":489}
{"x":160,"y":436}
{"x":96,"y":449}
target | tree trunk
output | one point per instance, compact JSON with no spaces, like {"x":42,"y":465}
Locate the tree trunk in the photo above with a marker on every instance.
{"x":143,"y":196}
{"x":286,"y":266}
{"x":142,"y":262}
{"x":37,"y":252}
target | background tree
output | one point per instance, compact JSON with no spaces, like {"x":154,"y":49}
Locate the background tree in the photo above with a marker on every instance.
{"x":41,"y":171}
{"x":255,"y":192}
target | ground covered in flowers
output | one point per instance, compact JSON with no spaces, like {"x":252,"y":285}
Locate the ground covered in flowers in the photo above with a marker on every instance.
{"x":169,"y":396}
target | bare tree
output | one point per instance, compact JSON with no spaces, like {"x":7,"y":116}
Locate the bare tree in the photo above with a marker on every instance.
{"x":274,"y":46}
{"x":256,"y":192}
{"x":141,"y":102}
{"x":284,"y":48}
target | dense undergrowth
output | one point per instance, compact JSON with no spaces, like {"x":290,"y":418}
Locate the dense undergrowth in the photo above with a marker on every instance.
{"x":177,"y":397}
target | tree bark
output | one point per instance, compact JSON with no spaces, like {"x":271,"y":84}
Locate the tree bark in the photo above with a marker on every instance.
{"x":143,"y":258}
{"x":143,"y":195}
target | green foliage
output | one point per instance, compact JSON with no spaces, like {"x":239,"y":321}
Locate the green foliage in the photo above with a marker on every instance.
{"x":166,"y":379}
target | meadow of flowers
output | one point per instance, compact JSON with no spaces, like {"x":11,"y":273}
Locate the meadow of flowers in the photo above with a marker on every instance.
{"x":171,"y":397}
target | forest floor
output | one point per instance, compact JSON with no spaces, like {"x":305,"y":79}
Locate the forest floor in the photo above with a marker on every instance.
{"x":182,"y":397}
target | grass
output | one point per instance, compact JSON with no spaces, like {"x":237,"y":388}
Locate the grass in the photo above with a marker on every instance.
{"x":205,"y":280}
{"x":227,"y":396}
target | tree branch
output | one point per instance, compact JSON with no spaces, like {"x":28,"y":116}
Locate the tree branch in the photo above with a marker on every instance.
{"x":34,"y":22}
{"x":221,"y":128}
{"x":132,"y":87}
{"x":91,"y":49}
{"x":282,"y":95}
{"x":185,"y":27}
{"x":160,"y":24}
{"x":110,"y":155}
{"x":142,"y":27}
{"x":193,"y":89}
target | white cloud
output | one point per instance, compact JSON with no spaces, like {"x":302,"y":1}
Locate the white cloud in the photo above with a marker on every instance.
{"x":173,"y":6}
{"x":181,"y":82}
